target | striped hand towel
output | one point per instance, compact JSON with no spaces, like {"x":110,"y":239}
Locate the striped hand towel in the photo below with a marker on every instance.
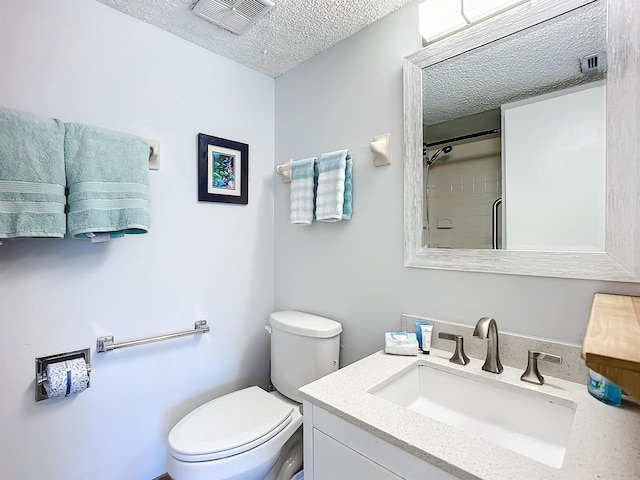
{"x":334,"y":198}
{"x":347,"y":208}
{"x":302,"y":191}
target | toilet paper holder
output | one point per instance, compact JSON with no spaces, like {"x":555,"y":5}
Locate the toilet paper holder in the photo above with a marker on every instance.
{"x":41,"y":368}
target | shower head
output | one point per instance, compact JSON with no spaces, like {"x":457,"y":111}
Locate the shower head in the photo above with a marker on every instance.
{"x":444,"y":150}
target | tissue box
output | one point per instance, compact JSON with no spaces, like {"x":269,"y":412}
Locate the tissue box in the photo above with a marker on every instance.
{"x":400,"y":343}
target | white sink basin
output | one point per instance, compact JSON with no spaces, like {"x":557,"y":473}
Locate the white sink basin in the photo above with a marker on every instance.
{"x":530,"y":423}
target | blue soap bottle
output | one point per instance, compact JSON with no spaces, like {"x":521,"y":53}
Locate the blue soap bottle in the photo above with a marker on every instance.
{"x":604,"y":389}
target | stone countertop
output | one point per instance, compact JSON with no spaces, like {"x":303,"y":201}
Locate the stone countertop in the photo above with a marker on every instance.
{"x":604,"y":442}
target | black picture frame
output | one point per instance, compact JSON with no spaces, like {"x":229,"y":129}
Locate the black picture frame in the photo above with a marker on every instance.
{"x":223,"y":170}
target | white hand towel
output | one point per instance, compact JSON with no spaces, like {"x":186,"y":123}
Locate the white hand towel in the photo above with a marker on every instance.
{"x":331,"y":186}
{"x":302,"y":191}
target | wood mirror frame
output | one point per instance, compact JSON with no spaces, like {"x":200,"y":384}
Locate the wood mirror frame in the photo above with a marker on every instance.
{"x":621,"y":259}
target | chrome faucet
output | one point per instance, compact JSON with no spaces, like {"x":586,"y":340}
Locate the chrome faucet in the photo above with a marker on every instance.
{"x":486,"y":328}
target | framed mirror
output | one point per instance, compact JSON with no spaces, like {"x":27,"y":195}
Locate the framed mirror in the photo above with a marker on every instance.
{"x":614,"y":253}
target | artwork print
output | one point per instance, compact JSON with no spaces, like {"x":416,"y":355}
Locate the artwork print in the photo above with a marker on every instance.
{"x":222,"y":166}
{"x":222,"y":170}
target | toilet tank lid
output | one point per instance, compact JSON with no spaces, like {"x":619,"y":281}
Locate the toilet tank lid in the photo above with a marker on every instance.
{"x":305,"y":324}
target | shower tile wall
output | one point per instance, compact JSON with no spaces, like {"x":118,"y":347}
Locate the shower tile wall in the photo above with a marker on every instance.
{"x":461,"y":196}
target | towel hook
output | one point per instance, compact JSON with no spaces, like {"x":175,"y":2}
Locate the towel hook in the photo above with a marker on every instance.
{"x":285,"y":171}
{"x":154,"y":154}
{"x":381,"y":148}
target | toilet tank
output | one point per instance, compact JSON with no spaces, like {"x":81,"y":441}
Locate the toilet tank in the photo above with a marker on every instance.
{"x":304,"y":347}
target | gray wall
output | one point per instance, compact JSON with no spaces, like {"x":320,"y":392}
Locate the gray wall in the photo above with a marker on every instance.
{"x":353,"y":271}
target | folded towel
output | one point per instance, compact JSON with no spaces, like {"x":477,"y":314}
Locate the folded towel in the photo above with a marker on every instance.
{"x":107,"y":175}
{"x":32,"y":177}
{"x":332,"y":180}
{"x":400,"y":343}
{"x":302,"y":191}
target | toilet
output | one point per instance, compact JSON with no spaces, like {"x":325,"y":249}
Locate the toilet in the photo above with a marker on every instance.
{"x":251,"y":434}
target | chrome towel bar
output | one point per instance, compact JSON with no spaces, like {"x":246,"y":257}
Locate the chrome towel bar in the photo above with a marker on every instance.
{"x":106,"y":344}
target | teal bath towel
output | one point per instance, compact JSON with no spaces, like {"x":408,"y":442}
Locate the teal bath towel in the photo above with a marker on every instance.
{"x":32,"y":176}
{"x":107,"y":176}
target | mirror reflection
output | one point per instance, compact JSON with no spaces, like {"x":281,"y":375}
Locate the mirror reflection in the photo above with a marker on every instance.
{"x":514,"y":140}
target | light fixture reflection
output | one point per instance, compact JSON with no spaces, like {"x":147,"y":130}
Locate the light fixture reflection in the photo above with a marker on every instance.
{"x":477,"y":10}
{"x":439,"y":18}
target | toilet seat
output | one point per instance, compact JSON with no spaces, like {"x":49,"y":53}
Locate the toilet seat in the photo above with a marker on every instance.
{"x":229,"y":425}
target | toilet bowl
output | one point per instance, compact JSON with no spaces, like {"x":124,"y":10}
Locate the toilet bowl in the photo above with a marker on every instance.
{"x":251,"y":434}
{"x":238,"y":436}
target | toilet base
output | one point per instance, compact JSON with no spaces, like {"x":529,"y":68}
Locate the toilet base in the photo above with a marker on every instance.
{"x":275,"y":457}
{"x":282,"y":467}
{"x":290,"y":460}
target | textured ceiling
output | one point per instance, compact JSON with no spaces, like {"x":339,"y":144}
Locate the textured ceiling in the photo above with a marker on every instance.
{"x":541,"y":59}
{"x":292,"y":32}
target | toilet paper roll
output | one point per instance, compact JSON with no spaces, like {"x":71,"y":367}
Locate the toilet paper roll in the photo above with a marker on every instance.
{"x":65,"y":378}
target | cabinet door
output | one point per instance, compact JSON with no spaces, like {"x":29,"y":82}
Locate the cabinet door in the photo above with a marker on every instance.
{"x":335,"y":461}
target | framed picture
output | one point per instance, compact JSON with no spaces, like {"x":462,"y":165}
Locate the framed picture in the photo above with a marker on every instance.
{"x":223,"y":170}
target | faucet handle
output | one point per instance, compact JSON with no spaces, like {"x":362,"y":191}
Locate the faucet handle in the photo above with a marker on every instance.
{"x":532,"y":374}
{"x":459,"y":356}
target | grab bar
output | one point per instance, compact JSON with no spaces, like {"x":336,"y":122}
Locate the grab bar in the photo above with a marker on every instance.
{"x":496,"y":223}
{"x":105,"y":344}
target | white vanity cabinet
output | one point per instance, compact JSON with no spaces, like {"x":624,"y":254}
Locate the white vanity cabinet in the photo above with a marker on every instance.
{"x":335,"y":460}
{"x":335,"y":449}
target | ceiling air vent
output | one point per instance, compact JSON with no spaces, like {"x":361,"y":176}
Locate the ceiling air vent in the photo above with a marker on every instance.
{"x":237,"y":16}
{"x":592,"y":63}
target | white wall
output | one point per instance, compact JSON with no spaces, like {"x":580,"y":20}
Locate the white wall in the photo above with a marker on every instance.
{"x":85,"y":62}
{"x":353,"y":271}
{"x":555,"y":152}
